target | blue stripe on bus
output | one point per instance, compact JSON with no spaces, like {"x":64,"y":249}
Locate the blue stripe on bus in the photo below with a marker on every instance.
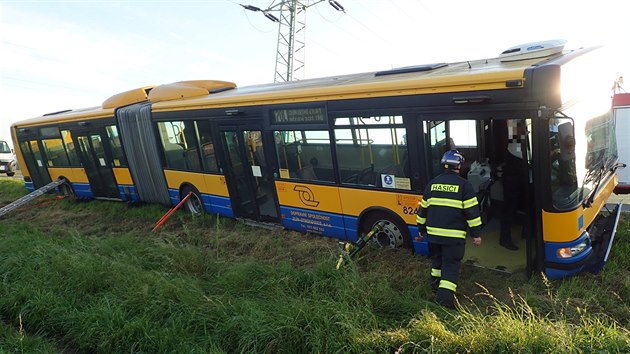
{"x":217,"y":205}
{"x":553,"y":273}
{"x":351,"y":226}
{"x":212,"y":204}
{"x":82,"y":190}
{"x":327,"y":224}
{"x":128,"y":193}
{"x":174,"y":196}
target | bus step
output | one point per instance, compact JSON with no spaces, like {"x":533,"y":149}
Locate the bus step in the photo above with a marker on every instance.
{"x":108,"y":199}
{"x":264,"y":225}
{"x":30,"y":197}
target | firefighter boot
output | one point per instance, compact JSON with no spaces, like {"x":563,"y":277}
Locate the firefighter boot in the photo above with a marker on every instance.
{"x":434,"y":283}
{"x":446,"y":298}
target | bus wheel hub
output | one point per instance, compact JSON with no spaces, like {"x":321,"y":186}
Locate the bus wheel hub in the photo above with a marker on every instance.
{"x":390,"y":236}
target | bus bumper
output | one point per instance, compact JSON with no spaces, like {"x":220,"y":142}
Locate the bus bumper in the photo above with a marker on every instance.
{"x":597,"y":244}
{"x":622,"y":188}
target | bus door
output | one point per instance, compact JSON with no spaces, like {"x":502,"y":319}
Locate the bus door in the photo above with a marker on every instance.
{"x":35,"y":162}
{"x":491,"y":145}
{"x":96,"y":160}
{"x":247,"y":173}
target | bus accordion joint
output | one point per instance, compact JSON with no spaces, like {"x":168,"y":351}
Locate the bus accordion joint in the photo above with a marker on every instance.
{"x":349,"y":249}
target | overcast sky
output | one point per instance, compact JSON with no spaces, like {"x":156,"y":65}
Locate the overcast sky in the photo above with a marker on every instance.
{"x":57,"y":55}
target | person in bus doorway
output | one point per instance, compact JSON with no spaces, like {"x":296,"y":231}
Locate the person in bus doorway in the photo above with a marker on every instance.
{"x":448,"y":212}
{"x":513,"y":185}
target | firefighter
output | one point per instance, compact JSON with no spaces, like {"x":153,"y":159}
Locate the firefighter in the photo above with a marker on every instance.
{"x":448,"y":209}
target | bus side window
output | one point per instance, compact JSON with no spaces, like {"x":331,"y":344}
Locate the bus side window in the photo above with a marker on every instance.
{"x":452,"y":134}
{"x":170,"y":134}
{"x":208,"y":156}
{"x":114,"y":142}
{"x":437,"y":142}
{"x":305,"y":155}
{"x":372,"y":151}
{"x":56,"y":153}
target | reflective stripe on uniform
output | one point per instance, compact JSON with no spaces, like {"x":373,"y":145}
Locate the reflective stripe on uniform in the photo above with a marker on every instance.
{"x":453,"y":203}
{"x":424,"y":203}
{"x":474,"y":222}
{"x":470,"y":202}
{"x":445,"y":284}
{"x":436,"y":272}
{"x":436,"y":231}
{"x":420,"y":220}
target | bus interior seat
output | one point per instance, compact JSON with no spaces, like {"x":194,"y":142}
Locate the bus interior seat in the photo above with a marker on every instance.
{"x":207,"y":152}
{"x":307,"y":172}
{"x":174,"y":155}
{"x":192,"y":159}
{"x":368,"y":176}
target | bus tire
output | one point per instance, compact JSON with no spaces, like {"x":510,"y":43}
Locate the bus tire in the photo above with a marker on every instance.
{"x":67,"y":190}
{"x":395,"y":233}
{"x":193,"y":204}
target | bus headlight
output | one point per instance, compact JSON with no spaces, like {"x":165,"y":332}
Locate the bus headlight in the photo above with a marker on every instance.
{"x":568,"y":252}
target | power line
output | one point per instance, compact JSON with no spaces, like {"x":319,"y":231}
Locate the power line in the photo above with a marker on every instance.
{"x":324,"y":17}
{"x":372,"y":31}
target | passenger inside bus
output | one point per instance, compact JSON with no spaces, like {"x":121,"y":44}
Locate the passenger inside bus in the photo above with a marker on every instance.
{"x":308,"y":171}
{"x":513,"y":178}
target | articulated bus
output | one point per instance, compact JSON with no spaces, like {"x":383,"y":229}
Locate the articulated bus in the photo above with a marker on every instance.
{"x":335,"y":156}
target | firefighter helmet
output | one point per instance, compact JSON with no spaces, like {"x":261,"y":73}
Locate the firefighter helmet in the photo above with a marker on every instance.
{"x":452,"y":159}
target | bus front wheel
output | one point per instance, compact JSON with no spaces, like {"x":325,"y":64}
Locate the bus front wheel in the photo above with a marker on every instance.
{"x":394,"y":233}
{"x":193,"y":204}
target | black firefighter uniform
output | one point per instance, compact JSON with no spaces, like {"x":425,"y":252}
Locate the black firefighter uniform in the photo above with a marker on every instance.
{"x":448,"y":209}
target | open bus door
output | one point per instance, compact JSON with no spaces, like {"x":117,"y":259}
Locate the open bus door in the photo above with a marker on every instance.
{"x":484,"y":139}
{"x":35,"y":162}
{"x":95,"y":155}
{"x":247,"y":174}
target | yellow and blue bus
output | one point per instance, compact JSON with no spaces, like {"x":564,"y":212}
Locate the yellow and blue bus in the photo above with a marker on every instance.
{"x":334,"y":156}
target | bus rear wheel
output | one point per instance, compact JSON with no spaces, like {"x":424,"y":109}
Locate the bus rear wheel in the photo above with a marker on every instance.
{"x":67,"y":191}
{"x":193,"y":204}
{"x":394,"y":233}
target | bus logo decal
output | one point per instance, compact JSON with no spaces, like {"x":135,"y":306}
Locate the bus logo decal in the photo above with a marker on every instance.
{"x":307,"y":197}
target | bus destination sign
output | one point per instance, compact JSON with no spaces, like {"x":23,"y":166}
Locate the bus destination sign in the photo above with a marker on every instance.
{"x":299,"y":115}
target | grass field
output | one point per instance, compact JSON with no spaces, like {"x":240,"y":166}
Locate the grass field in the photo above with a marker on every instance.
{"x":90,"y":277}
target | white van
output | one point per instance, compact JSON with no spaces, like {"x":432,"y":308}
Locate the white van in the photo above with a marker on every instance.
{"x":7,"y":159}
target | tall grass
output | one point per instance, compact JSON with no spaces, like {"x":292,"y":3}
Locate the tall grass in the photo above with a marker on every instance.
{"x":16,"y":341}
{"x":91,"y":277}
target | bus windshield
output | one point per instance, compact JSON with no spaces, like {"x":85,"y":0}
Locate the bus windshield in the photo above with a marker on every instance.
{"x":581,"y":153}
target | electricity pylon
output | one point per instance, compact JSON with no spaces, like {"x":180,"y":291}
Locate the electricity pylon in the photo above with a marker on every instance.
{"x":290,"y":50}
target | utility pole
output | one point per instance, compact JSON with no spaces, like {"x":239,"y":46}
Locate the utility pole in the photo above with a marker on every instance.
{"x":290,"y":48}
